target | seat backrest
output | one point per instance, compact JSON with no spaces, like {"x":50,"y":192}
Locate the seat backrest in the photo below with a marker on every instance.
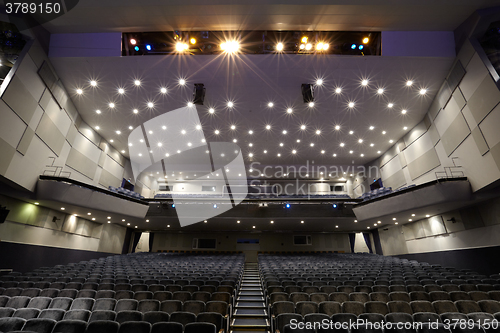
{"x":83,"y":315}
{"x":11,"y":324}
{"x":200,"y":328}
{"x":63,"y":303}
{"x":103,"y":326}
{"x":183,"y":317}
{"x":102,"y":315}
{"x":56,"y":314}
{"x":171,"y":306}
{"x":26,"y":313}
{"x":154,"y":317}
{"x":148,"y":305}
{"x":128,"y":315}
{"x":126,"y":305}
{"x":167,"y":327}
{"x":211,"y":317}
{"x":83,"y":304}
{"x":135,"y":327}
{"x":40,"y":325}
{"x":70,"y":326}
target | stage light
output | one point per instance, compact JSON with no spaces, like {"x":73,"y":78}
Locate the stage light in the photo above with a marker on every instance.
{"x":302,"y":46}
{"x":192,"y":40}
{"x":361,"y":47}
{"x":148,"y":47}
{"x":353,"y":46}
{"x":326,"y":46}
{"x":230,"y":47}
{"x":308,"y":46}
{"x":287,"y":205}
{"x":181,"y":47}
{"x":136,"y":48}
{"x":319,"y":46}
{"x":173,"y":205}
{"x":366,"y":40}
{"x":334,"y":205}
{"x":304,"y":39}
{"x":279,"y":47}
{"x":133,"y":41}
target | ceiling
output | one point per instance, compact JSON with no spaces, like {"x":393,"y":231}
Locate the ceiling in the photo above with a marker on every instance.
{"x":251,"y":82}
{"x":340,"y":15}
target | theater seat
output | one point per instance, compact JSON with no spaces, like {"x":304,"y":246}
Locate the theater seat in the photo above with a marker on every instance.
{"x":103,"y":326}
{"x":135,"y":327}
{"x":70,"y":326}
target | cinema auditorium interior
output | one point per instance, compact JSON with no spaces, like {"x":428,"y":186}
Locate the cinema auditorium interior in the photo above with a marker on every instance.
{"x":240,"y":167}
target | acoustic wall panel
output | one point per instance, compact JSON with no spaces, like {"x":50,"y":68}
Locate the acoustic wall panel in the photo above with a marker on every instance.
{"x":389,"y":155}
{"x":114,"y":168}
{"x":466,"y":53}
{"x":444,"y":94}
{"x":480,"y":141}
{"x":416,"y":132}
{"x":424,"y":164}
{"x":484,"y":99}
{"x":434,"y":108}
{"x":495,"y":153}
{"x":88,"y":132}
{"x":490,"y":127}
{"x":476,"y":73}
{"x":11,"y":126}
{"x":58,"y":116}
{"x":27,"y":73}
{"x":7,"y":152}
{"x":72,"y":134}
{"x":50,"y":135}
{"x":19,"y":99}
{"x":47,"y":75}
{"x":446,"y":116}
{"x":60,"y":93}
{"x":459,"y":98}
{"x":87,"y":148}
{"x":81,"y":163}
{"x":455,"y":134}
{"x":25,"y":142}
{"x":434,"y":226}
{"x":434,"y":135}
{"x":37,"y":117}
{"x":456,"y":74}
{"x":107,"y":179}
{"x":418,"y":148}
{"x":395,"y":181}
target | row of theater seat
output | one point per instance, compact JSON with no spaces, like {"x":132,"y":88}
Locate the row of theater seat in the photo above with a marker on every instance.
{"x":254,"y":196}
{"x":40,"y":325}
{"x":126,"y":192}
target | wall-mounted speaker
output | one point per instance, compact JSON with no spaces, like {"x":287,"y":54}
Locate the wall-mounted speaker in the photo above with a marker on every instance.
{"x":308,"y":92}
{"x":199,"y":93}
{"x":3,"y":214}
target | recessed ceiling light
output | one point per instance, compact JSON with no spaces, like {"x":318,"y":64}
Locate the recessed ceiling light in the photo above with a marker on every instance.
{"x":360,"y":140}
{"x":250,"y":144}
{"x":98,"y":111}
{"x":322,"y":152}
{"x":342,"y":144}
{"x":372,"y":144}
{"x":168,"y":225}
{"x":268,"y":127}
{"x":111,"y":105}
{"x":334,"y":155}
{"x":337,"y":127}
{"x":118,"y":132}
{"x":279,"y":155}
{"x":351,"y":104}
{"x":137,"y":82}
{"x":79,"y":91}
{"x":367,"y":227}
{"x":338,"y":90}
{"x":318,"y":132}
{"x":150,"y":132}
{"x":190,"y":104}
{"x":130,"y":128}
{"x":289,"y":110}
{"x":364,"y":82}
{"x":250,"y":132}
{"x":284,"y":132}
{"x":93,"y":219}
{"x":302,"y":222}
{"x":217,"y":132}
{"x":396,"y":223}
{"x":319,"y":82}
{"x":270,"y":104}
{"x":121,"y":91}
{"x":211,"y":110}
{"x":312,"y":144}
{"x":384,"y":132}
{"x":410,"y":220}
{"x":298,"y":140}
{"x":281,"y":144}
{"x":250,"y":155}
{"x":265,"y":151}
{"x":135,"y":111}
{"x":409,"y":83}
{"x":93,"y":83}
{"x":97,"y":128}
{"x":350,"y":151}
{"x":351,"y":132}
{"x":391,"y":141}
{"x":233,"y":127}
{"x":238,"y":221}
{"x":182,"y":82}
{"x":294,"y":151}
{"x":412,"y":214}
{"x":311,"y":104}
{"x":147,"y":220}
{"x":372,"y":128}
{"x":167,"y":155}
{"x":123,"y":151}
{"x":230,"y":104}
{"x":390,"y":105}
{"x":234,"y":140}
{"x":404,"y":111}
{"x":150,"y":105}
{"x":253,"y":227}
{"x":378,"y":152}
{"x":380,"y":91}
{"x":362,"y":155}
{"x":405,"y":128}
{"x":62,"y":208}
{"x":272,"y":222}
{"x":423,"y":91}
{"x":163,"y":90}
{"x":160,"y":144}
{"x":427,"y":216}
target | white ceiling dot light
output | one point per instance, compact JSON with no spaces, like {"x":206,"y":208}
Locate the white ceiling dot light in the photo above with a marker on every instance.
{"x":211,"y":110}
{"x":391,"y":141}
{"x":334,"y":155}
{"x":360,"y":140}
{"x":318,"y":132}
{"x":384,"y":132}
{"x":337,"y":127}
{"x":319,"y":82}
{"x":312,"y":144}
{"x":279,"y":47}
{"x":163,"y":90}
{"x":322,"y":152}
{"x":362,"y":155}
{"x":409,"y":83}
{"x":294,"y":152}
{"x":351,"y":152}
{"x":372,"y":144}
{"x":98,"y":111}
{"x":250,"y":144}
{"x":150,"y":105}
{"x":423,"y":91}
{"x":302,"y":127}
{"x":379,"y":152}
{"x":298,"y":140}
{"x":380,"y":91}
{"x":234,"y":140}
{"x":190,"y":104}
{"x":137,"y":82}
{"x":93,"y":83}
{"x":390,"y":105}
{"x":111,"y":140}
{"x":405,"y":128}
{"x":198,"y":127}
{"x":130,"y":128}
{"x":351,"y":132}
{"x":289,"y":110}
{"x":338,"y":90}
{"x":250,"y":155}
{"x":250,"y":132}
{"x":265,"y":151}
{"x":111,"y":105}
{"x":217,"y":132}
{"x":342,"y":144}
{"x":123,"y":151}
{"x":118,"y":132}
{"x":282,"y":144}
{"x":79,"y":91}
{"x":230,"y":104}
{"x":268,"y":127}
{"x":270,"y":104}
{"x":404,"y":111}
{"x":364,"y":83}
{"x":182,"y":82}
{"x":279,"y":155}
{"x":372,"y":128}
{"x":351,"y":105}
{"x":121,"y":91}
{"x":160,"y":144}
{"x":284,"y":132}
{"x":135,"y":111}
{"x":311,"y":104}
{"x":183,"y":132}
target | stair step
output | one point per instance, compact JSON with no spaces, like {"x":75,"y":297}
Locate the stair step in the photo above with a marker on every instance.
{"x":253,"y":285}
{"x":249,"y":331}
{"x":251,"y":293}
{"x":250,"y":298}
{"x":250,"y":313}
{"x":250,"y":305}
{"x":251,"y":289}
{"x":249,"y":323}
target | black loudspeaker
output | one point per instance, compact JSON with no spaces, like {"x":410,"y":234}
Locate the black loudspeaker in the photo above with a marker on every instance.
{"x":199,"y":93}
{"x":3,"y":214}
{"x":308,"y":92}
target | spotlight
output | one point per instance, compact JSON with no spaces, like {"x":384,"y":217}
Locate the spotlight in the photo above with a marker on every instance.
{"x":361,"y":47}
{"x":181,"y":47}
{"x":192,"y":40}
{"x":133,"y":41}
{"x":148,"y":47}
{"x":230,"y":47}
{"x":319,"y":46}
{"x":353,"y":46}
{"x":199,"y":93}
{"x":366,"y":40}
{"x":215,"y":205}
{"x":279,"y":47}
{"x":308,"y":92}
{"x":325,"y":46}
{"x":308,"y":46}
{"x":334,"y":205}
{"x":136,"y":48}
{"x":287,"y":205}
{"x":302,"y":46}
{"x":304,"y":39}
{"x":173,"y":205}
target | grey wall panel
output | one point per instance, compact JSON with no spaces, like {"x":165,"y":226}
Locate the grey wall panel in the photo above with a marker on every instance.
{"x":401,"y":145}
{"x":495,"y":153}
{"x":434,"y":108}
{"x":456,"y":74}
{"x":58,"y":116}
{"x":20,"y":100}
{"x":45,"y":99}
{"x":434,"y":135}
{"x":389,"y":155}
{"x":427,"y":121}
{"x":466,"y":53}
{"x":444,"y":94}
{"x":416,"y":132}
{"x":50,"y":134}
{"x":396,"y":180}
{"x":25,"y":141}
{"x":81,"y":163}
{"x":480,"y":141}
{"x":107,"y":179}
{"x":402,"y":158}
{"x":47,"y":75}
{"x":476,"y":72}
{"x":469,"y":118}
{"x":424,"y":164}
{"x":484,"y":99}
{"x":112,"y":238}
{"x":27,"y":73}
{"x":455,"y":134}
{"x":490,"y":127}
{"x":71,"y":109}
{"x":37,"y":54}
{"x":116,"y":156}
{"x":60,"y":93}
{"x":102,"y":158}
{"x":459,"y":98}
{"x":11,"y":126}
{"x":88,"y":132}
{"x":7,"y":152}
{"x":72,"y":133}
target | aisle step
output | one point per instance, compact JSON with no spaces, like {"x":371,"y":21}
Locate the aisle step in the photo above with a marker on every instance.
{"x":250,"y":323}
{"x":250,"y":312}
{"x":252,"y":305}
